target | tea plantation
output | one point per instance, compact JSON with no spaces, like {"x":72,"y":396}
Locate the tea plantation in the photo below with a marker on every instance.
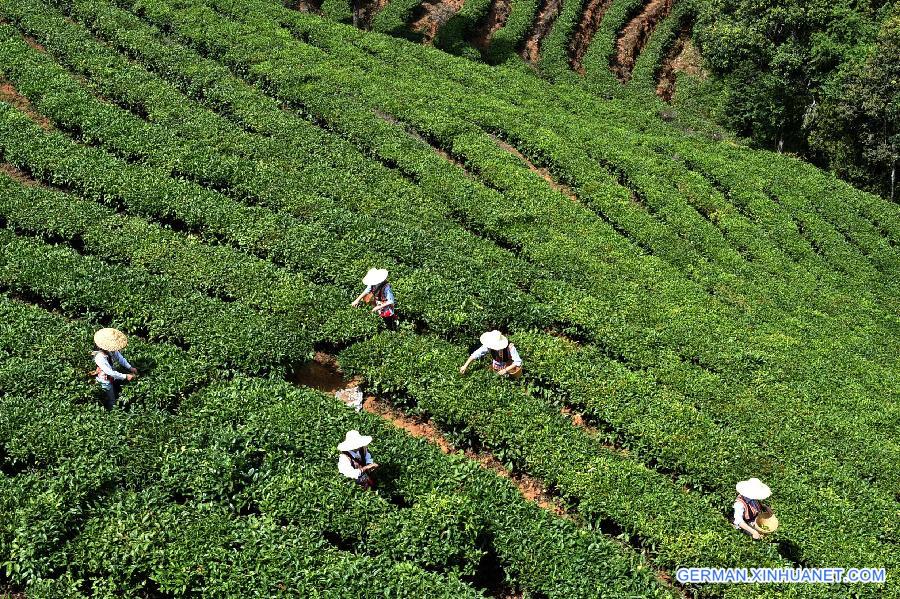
{"x":215,"y":177}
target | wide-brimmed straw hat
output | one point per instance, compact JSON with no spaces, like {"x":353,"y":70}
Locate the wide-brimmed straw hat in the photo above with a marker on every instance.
{"x":353,"y":440}
{"x":375,"y":276}
{"x":494,"y":340}
{"x":753,"y":488}
{"x":110,"y":339}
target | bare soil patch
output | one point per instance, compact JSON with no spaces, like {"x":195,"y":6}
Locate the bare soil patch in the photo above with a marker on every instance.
{"x":312,"y":6}
{"x":543,"y":23}
{"x":432,"y":15}
{"x":634,"y":36}
{"x":11,"y":96}
{"x":529,"y":487}
{"x":585,"y":31}
{"x":492,"y":22}
{"x":17,"y":175}
{"x":668,"y":68}
{"x":34,"y":43}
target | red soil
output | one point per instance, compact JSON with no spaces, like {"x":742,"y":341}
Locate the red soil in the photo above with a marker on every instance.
{"x":544,"y":173}
{"x":34,"y":43}
{"x":634,"y":36}
{"x":493,"y":21}
{"x":433,"y":14}
{"x":584,"y":33}
{"x":530,"y":488}
{"x":11,"y":96}
{"x":665,"y":87}
{"x":543,"y":22}
{"x":307,"y":6}
{"x":17,"y":175}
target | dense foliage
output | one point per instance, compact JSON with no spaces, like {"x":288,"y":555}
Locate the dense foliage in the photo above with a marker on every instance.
{"x":815,"y":77}
{"x":214,"y":177}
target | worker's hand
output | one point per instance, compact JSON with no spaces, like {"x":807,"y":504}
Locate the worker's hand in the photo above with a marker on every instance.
{"x":462,"y":369}
{"x":133,"y":370}
{"x":755,"y":535}
{"x":354,"y":303}
{"x":129,"y":377}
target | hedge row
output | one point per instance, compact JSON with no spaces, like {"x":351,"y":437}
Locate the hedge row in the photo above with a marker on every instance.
{"x":253,"y":455}
{"x":228,"y":334}
{"x":664,"y":428}
{"x":494,"y":289}
{"x":527,"y":434}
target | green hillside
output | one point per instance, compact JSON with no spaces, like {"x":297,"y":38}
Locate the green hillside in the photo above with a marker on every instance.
{"x":214,"y":177}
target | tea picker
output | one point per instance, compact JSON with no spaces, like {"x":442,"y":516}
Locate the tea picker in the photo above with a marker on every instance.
{"x":505,"y":360}
{"x":355,"y":461}
{"x":750,"y":515}
{"x":378,"y":292}
{"x":110,"y":343}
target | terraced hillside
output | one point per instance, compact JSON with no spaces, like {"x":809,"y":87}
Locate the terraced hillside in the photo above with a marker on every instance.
{"x":596,"y":43}
{"x":215,"y":176}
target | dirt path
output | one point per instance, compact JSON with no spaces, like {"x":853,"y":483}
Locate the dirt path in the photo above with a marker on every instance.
{"x":543,"y":172}
{"x":323,"y":373}
{"x":431,"y":15}
{"x":11,"y":96}
{"x":17,"y":175}
{"x":668,"y":69}
{"x":584,"y":33}
{"x":530,"y":488}
{"x":633,"y":37}
{"x":543,"y":23}
{"x":492,"y":22}
{"x":419,"y":137}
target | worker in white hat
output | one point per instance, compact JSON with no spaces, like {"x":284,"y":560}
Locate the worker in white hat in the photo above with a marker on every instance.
{"x":750,"y":515}
{"x":505,"y":359}
{"x":110,"y":343}
{"x":355,"y":461}
{"x":378,"y":292}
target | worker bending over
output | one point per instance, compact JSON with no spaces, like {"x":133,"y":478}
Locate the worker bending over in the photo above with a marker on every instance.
{"x":750,"y":515}
{"x":505,"y":359}
{"x":355,"y":461}
{"x":110,"y":343}
{"x":378,"y":292}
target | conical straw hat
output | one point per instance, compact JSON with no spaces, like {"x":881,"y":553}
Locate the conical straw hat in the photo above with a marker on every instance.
{"x":494,"y":340}
{"x":110,"y":339}
{"x":753,"y":488}
{"x":353,"y":440}
{"x":375,"y":276}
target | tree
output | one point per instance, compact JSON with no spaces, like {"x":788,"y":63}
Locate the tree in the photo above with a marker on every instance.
{"x":857,"y":127}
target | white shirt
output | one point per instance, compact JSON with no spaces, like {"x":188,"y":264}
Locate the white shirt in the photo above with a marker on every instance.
{"x":107,"y":372}
{"x":483,"y":351}
{"x":346,"y":468}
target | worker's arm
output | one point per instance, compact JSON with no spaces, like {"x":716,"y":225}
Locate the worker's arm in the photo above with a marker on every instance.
{"x":121,"y":360}
{"x":103,"y":364}
{"x":388,"y":300}
{"x":739,"y":521}
{"x":370,"y":463}
{"x":355,"y":302}
{"x":477,"y":354}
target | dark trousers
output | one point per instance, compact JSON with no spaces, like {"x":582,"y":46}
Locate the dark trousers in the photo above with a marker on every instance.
{"x":111,"y":392}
